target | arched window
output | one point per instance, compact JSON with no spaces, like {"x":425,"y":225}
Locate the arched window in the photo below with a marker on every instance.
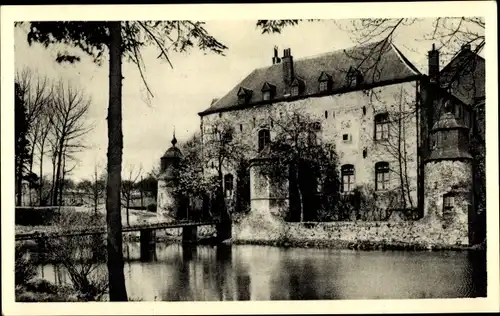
{"x":381,"y":126}
{"x":264,"y":138}
{"x":326,"y":114}
{"x":348,"y":180}
{"x":228,"y":185}
{"x":381,"y":176}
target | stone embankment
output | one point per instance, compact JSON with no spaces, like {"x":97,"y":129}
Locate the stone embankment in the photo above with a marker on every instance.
{"x":424,"y":234}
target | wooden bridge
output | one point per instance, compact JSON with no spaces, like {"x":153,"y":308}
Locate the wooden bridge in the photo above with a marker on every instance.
{"x":189,"y":226}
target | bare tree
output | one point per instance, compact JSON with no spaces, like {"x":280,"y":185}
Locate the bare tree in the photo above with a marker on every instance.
{"x":222,"y":151}
{"x":128,"y":189}
{"x":392,"y":134}
{"x":69,"y":108}
{"x":35,"y":92}
{"x":120,"y":39}
{"x":82,"y":256}
{"x":94,"y":188}
{"x":296,"y":154}
{"x":41,"y":145}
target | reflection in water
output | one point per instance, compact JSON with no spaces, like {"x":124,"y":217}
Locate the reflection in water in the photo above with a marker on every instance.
{"x":223,"y":273}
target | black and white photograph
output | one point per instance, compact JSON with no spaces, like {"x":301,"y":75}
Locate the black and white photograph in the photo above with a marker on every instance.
{"x":215,"y":156}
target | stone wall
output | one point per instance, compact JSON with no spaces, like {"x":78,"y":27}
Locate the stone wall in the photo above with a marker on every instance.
{"x":269,"y":229}
{"x":350,"y":113}
{"x":166,"y":204}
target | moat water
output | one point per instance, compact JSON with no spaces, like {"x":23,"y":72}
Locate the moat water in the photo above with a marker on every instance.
{"x":244,"y":272}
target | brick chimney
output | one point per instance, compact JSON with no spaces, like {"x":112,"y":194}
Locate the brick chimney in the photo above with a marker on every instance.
{"x":434,"y":64}
{"x":276,"y":59}
{"x":287,"y":62}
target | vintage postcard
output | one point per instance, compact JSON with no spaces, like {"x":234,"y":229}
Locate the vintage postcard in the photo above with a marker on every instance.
{"x":208,"y":159}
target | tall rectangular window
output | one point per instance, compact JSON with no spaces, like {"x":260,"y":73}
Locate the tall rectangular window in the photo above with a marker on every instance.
{"x":448,"y":204}
{"x":264,"y":138}
{"x":348,"y":180}
{"x":381,"y":176}
{"x":381,"y":126}
{"x":228,"y":185}
{"x":266,"y":95}
{"x":323,"y":86}
{"x":295,"y":91}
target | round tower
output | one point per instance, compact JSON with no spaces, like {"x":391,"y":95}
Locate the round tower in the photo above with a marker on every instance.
{"x":167,"y":203}
{"x":448,"y":178}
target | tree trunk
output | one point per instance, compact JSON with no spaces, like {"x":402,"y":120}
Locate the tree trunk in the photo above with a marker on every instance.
{"x":58,"y":172}
{"x":19,"y":179}
{"x":40,"y":176}
{"x":53,"y":184}
{"x":405,"y":159}
{"x":299,"y":193}
{"x":142,"y":199}
{"x":95,"y":191}
{"x":96,"y":200}
{"x":30,"y":172}
{"x":400,"y":162}
{"x":63,"y":177}
{"x":128,"y":205}
{"x":221,"y":202}
{"x":31,"y":158}
{"x":117,"y":290}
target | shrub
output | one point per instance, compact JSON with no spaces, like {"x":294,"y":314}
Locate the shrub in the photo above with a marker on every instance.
{"x":25,"y":270}
{"x":82,"y":256}
{"x":36,"y":216}
{"x":42,"y":286}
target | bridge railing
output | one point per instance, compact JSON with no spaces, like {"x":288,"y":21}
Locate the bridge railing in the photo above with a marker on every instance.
{"x":79,"y":231}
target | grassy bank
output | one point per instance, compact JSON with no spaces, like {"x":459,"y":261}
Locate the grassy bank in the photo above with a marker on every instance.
{"x":39,"y":290}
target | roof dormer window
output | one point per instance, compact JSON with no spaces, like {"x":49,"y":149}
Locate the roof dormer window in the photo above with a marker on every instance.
{"x":268,"y":91}
{"x":266,"y":95}
{"x":297,"y":87}
{"x":244,"y":95}
{"x":354,"y":77}
{"x":325,"y":82}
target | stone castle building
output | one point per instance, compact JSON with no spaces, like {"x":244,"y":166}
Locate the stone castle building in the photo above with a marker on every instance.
{"x":391,"y":125}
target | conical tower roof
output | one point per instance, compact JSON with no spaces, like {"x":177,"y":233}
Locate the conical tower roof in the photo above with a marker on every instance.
{"x":451,"y":138}
{"x":173,"y":152}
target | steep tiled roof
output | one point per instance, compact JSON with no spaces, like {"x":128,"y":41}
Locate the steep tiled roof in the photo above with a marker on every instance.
{"x":378,"y":63}
{"x":464,"y":76}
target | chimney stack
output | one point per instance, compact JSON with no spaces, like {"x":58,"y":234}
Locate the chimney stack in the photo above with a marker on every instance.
{"x":287,"y":66}
{"x":276,"y":59}
{"x":434,"y":64}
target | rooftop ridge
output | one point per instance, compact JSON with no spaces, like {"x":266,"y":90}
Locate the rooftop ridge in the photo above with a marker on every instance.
{"x":331,"y":52}
{"x":397,"y":67}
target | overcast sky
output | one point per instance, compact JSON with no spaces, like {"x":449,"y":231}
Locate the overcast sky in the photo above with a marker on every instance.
{"x":180,"y":93}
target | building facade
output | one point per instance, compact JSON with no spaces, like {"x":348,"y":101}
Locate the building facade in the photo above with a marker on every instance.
{"x":390,"y":125}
